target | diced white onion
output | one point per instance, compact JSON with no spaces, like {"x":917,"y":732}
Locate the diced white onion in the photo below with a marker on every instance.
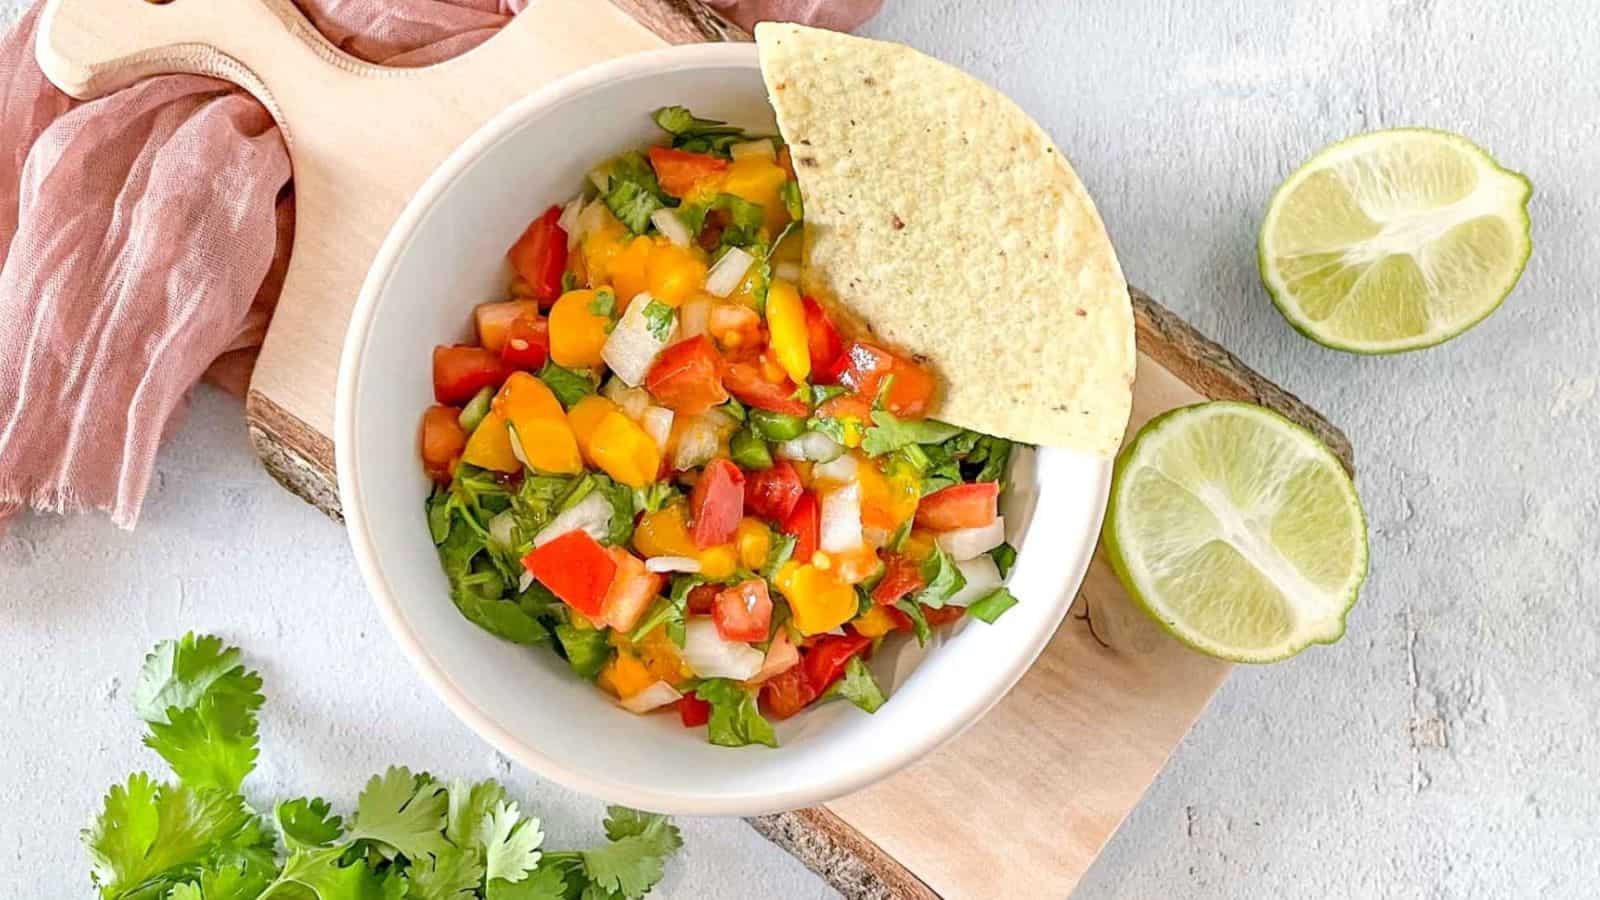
{"x":600,"y":176}
{"x":982,"y":577}
{"x":631,"y":349}
{"x":697,"y":443}
{"x":569,"y":219}
{"x":719,"y":419}
{"x":762,"y":148}
{"x":632,"y":401}
{"x":813,"y":445}
{"x":840,"y":529}
{"x":672,"y":564}
{"x":781,"y":657}
{"x":657,"y":422}
{"x":693,"y":317}
{"x":500,"y":528}
{"x":709,"y":656}
{"x":841,"y":470}
{"x":787,"y":271}
{"x":671,"y":227}
{"x":591,"y":514}
{"x":592,"y":219}
{"x":969,"y":543}
{"x":655,"y":696}
{"x":516,"y":446}
{"x":725,"y":276}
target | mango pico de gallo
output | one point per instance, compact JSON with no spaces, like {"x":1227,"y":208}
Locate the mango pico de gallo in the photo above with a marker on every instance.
{"x":663,"y":460}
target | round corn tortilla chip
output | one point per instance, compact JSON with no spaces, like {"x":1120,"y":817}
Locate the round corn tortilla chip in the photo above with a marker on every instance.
{"x":943,"y":217}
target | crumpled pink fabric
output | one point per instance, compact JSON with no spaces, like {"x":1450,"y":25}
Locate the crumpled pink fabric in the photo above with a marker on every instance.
{"x":144,"y":236}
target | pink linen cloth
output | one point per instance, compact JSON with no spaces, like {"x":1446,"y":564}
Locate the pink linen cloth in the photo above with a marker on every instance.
{"x":144,"y":237}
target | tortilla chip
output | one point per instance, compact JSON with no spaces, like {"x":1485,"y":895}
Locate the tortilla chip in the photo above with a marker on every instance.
{"x":943,"y":216}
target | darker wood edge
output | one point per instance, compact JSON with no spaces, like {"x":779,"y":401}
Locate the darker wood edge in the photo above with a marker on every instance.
{"x":844,"y":857}
{"x":296,"y":455}
{"x":681,"y":21}
{"x":1205,"y":366}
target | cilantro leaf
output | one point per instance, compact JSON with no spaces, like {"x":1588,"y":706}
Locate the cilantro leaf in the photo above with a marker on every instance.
{"x":943,"y":579}
{"x":993,"y":605}
{"x":735,"y":720}
{"x":919,"y":622}
{"x":585,"y":649}
{"x":201,"y":706}
{"x":569,"y":385}
{"x":781,"y":552}
{"x":679,"y":120}
{"x":669,"y":610}
{"x":889,"y":433}
{"x":655,"y":497}
{"x":233,"y":877}
{"x":742,"y":220}
{"x":512,"y":844}
{"x":858,"y":686}
{"x":994,"y":453}
{"x":831,"y":427}
{"x":402,"y":812}
{"x":658,"y":318}
{"x":147,"y":831}
{"x":544,"y":883}
{"x":633,"y":862}
{"x":452,"y":875}
{"x":1004,"y":556}
{"x":307,"y":823}
{"x":632,"y":192}
{"x":319,"y":872}
{"x":604,"y":303}
{"x":467,"y":811}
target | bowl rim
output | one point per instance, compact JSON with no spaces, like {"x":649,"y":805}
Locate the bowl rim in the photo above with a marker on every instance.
{"x":398,"y":239}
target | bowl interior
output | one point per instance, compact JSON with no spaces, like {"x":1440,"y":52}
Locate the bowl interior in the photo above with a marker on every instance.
{"x":445,"y":255}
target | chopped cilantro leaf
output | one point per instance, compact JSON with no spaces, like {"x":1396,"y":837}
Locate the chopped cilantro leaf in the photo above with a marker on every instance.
{"x":604,"y":303}
{"x":858,"y":686}
{"x":919,"y":622}
{"x":888,"y":433}
{"x":569,"y":385}
{"x":1005,"y":556}
{"x":735,"y":720}
{"x":586,"y":649}
{"x":632,"y":192}
{"x":992,"y":605}
{"x":569,"y":282}
{"x":678,"y":120}
{"x":942,"y":577}
{"x":658,"y":318}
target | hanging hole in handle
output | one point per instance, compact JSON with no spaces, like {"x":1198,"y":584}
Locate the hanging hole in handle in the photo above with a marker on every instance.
{"x":158,"y":2}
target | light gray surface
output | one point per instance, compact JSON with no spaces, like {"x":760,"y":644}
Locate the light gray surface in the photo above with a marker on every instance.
{"x":1447,"y":748}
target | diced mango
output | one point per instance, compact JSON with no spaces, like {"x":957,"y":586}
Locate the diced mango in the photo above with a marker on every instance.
{"x":786,"y":321}
{"x":673,"y":273}
{"x":625,"y":675}
{"x":819,"y":600}
{"x":719,"y":561}
{"x":585,"y":416}
{"x":624,"y":450}
{"x":628,"y":277}
{"x":662,"y":657}
{"x":665,"y":533}
{"x":577,"y":333}
{"x":759,"y":180}
{"x":887,"y":500}
{"x":489,"y":447}
{"x":548,"y":443}
{"x":754,"y":541}
{"x":875,"y":624}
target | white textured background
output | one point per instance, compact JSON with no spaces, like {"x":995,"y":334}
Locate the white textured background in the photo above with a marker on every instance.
{"x":1446,"y":749}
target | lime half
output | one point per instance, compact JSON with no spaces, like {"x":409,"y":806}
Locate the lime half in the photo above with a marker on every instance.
{"x":1238,"y":531}
{"x":1395,"y":240}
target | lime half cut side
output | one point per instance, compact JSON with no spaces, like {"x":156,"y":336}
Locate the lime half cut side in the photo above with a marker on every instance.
{"x":1237,"y":531}
{"x":1395,"y":240}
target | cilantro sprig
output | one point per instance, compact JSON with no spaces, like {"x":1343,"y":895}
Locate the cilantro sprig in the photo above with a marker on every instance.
{"x":411,"y":835}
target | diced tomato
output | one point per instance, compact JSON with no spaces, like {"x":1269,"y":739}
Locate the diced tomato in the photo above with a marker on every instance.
{"x":902,"y":622}
{"x":703,"y":598}
{"x":461,"y":372}
{"x":717,"y":503}
{"x":540,"y":256}
{"x":944,"y":615}
{"x":632,"y":591}
{"x":772,"y":493}
{"x":824,"y":662}
{"x":734,"y":325}
{"x":493,"y":320}
{"x":960,"y":506}
{"x":744,"y":611}
{"x":744,"y":381}
{"x":845,"y":407}
{"x":805,"y":523}
{"x":787,"y":693}
{"x":687,"y":377}
{"x":680,"y":171}
{"x":575,"y":568}
{"x":693,"y":711}
{"x":902,"y":575}
{"x":527,"y":343}
{"x":823,"y":340}
{"x":910,"y":395}
{"x":442,"y":442}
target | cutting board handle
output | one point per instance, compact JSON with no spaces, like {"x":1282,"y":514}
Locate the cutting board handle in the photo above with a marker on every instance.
{"x":89,"y":48}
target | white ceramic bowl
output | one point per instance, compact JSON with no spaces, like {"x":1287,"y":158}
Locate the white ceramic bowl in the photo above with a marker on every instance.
{"x":444,"y":255}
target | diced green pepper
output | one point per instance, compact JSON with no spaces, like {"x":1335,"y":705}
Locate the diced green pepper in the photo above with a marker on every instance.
{"x":775,"y":426}
{"x":749,"y":451}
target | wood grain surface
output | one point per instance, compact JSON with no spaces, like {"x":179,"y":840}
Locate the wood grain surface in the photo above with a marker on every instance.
{"x":1016,"y":807}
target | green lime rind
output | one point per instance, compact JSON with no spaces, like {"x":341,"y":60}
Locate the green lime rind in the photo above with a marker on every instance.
{"x":1284,"y":300}
{"x":1117,"y":535}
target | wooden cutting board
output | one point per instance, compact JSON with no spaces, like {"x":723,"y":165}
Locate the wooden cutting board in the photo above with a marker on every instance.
{"x":1053,"y":769}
